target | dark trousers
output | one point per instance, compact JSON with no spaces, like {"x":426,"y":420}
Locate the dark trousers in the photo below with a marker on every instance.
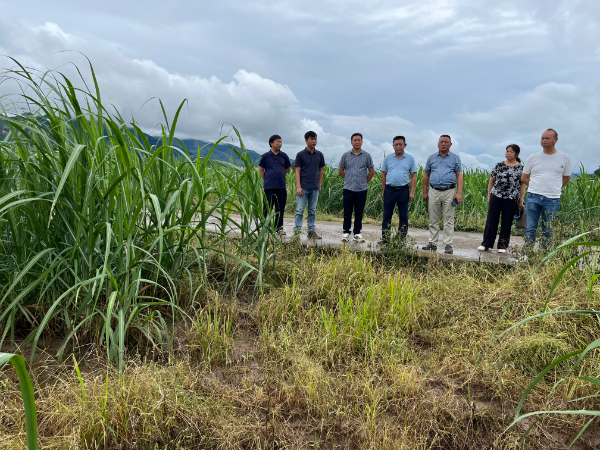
{"x":391,"y":198}
{"x":276,"y":198}
{"x":508,"y":208}
{"x":354,"y":201}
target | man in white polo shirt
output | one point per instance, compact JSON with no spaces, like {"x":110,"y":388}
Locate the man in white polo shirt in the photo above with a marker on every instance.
{"x":546,"y":173}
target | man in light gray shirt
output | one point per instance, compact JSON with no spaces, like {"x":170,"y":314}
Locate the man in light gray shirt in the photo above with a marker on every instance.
{"x":356,"y":168}
{"x":546,"y":173}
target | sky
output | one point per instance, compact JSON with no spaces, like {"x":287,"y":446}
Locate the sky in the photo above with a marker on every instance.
{"x":488,"y":73}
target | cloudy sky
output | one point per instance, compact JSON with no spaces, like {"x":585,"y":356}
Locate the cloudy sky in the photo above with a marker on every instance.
{"x":488,"y":73}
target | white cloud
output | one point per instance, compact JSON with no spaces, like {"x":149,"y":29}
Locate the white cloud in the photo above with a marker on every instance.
{"x":573,"y":111}
{"x":259,"y":106}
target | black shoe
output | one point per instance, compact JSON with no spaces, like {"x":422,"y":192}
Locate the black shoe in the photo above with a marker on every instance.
{"x":313,"y":235}
{"x":448,"y":249}
{"x":430,"y":247}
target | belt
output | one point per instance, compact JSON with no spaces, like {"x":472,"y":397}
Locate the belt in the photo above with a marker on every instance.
{"x":398,"y":188}
{"x":452,"y":186}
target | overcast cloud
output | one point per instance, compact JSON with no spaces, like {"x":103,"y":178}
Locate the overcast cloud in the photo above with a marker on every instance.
{"x":489,"y":73}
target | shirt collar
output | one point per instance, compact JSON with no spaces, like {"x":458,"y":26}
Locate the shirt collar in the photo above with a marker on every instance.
{"x":359,"y":153}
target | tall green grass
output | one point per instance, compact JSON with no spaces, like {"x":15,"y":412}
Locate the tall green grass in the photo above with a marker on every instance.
{"x":96,"y":224}
{"x":18,"y":363}
{"x":577,"y":252}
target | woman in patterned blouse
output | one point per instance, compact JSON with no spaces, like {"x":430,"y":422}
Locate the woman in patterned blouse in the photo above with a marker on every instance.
{"x":503,"y":196}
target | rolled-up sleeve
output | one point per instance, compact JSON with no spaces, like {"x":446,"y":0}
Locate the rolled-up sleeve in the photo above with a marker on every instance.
{"x":457,"y":164}
{"x":428,"y":165}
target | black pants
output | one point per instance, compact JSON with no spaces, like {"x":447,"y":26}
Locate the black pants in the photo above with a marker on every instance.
{"x":508,"y":208}
{"x":391,"y":198}
{"x":354,"y":201}
{"x":276,"y":198}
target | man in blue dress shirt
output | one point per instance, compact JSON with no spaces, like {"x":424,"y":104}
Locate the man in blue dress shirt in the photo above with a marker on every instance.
{"x":398,"y":181}
{"x":442,"y":184}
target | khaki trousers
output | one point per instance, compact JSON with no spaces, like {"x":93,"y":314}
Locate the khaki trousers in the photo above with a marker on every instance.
{"x":440,"y":202}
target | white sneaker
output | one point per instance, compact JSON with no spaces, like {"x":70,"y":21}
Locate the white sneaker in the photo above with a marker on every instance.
{"x":345,"y":237}
{"x":481,"y":248}
{"x":358,"y":238}
{"x":501,"y":250}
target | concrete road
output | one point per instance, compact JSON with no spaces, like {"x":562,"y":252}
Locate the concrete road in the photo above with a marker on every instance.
{"x":465,"y":244}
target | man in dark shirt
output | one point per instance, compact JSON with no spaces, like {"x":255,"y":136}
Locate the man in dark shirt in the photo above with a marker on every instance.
{"x":272,"y":167}
{"x":309,"y":165}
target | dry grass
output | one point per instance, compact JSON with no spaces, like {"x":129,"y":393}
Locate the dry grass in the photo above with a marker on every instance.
{"x":341,"y":351}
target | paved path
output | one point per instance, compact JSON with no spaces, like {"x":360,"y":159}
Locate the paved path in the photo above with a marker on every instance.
{"x":465,"y":244}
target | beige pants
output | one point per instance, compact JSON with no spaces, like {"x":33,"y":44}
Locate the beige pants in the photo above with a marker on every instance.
{"x":440,"y":202}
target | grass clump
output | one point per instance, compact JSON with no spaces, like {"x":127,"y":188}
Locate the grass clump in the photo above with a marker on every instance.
{"x":97,"y":226}
{"x":532,"y":354}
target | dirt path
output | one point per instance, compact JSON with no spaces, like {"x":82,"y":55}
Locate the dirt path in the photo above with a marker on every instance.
{"x":465,"y":244}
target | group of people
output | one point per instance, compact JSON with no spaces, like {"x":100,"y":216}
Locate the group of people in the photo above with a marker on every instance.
{"x":542,"y":177}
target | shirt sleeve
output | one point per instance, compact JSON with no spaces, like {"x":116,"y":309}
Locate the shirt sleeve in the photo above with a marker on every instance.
{"x":298,"y":160}
{"x":527,"y":168}
{"x":384,"y":166}
{"x":370,"y":162}
{"x":457,"y":164}
{"x":428,"y":165}
{"x":494,"y":173}
{"x":287,"y":162}
{"x":262,"y":163}
{"x":322,"y":161}
{"x":567,"y":171}
{"x":343,"y":161}
{"x":413,"y":166}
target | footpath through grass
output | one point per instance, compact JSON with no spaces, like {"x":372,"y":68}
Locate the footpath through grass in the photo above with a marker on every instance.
{"x":341,"y":351}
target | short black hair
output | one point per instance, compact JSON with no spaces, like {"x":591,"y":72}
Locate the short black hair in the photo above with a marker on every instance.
{"x":516,"y":149}
{"x":555,"y":133}
{"x":309,"y":134}
{"x":356,"y":134}
{"x":398,"y":138}
{"x":446,"y":135}
{"x":273,"y":139}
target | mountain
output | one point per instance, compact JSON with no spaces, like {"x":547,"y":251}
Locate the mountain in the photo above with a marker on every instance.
{"x":222,"y":152}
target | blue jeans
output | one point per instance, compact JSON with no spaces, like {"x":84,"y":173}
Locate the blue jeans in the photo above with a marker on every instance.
{"x":537,"y":205}
{"x":310,"y":197}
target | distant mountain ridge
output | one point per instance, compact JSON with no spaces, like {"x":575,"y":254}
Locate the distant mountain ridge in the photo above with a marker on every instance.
{"x":222,"y":152}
